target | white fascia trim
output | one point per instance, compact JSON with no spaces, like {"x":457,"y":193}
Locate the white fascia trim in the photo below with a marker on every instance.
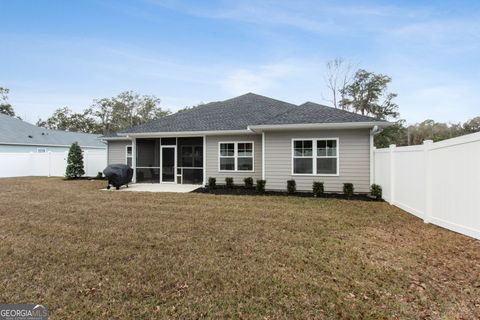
{"x":123,"y":138}
{"x":49,"y":145}
{"x":186,"y":133}
{"x":342,"y":125}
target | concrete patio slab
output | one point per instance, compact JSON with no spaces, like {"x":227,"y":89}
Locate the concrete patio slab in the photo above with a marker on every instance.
{"x":157,"y":187}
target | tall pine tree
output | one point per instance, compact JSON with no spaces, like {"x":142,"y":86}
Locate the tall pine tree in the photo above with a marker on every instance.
{"x":74,"y":162}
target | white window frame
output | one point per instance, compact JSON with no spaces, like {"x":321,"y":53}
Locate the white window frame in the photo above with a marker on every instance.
{"x":126,"y":153}
{"x":41,"y":150}
{"x":235,"y":156}
{"x":314,"y":157}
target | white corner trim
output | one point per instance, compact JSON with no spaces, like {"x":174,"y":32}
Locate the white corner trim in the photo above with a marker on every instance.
{"x":263,"y":155}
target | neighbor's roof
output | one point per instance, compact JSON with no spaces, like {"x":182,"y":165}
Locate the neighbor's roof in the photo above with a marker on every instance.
{"x":16,"y":131}
{"x":248,"y":110}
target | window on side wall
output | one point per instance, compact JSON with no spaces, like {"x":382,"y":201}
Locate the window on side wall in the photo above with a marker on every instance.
{"x":327,"y":157}
{"x":41,"y":150}
{"x":129,"y":155}
{"x":315,"y":156}
{"x":235,"y":156}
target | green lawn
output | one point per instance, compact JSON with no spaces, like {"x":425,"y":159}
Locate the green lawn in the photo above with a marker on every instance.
{"x":91,"y":254}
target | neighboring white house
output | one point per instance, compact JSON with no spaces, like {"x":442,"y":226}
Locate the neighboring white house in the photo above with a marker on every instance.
{"x":17,"y":136}
{"x":27,"y":150}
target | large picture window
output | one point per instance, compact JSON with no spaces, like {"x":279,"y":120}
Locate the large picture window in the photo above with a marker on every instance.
{"x":236,"y":156}
{"x":315,"y":156}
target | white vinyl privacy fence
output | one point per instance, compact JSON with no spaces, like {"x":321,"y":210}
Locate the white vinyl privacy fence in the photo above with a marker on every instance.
{"x":50,"y":164}
{"x":438,"y":182}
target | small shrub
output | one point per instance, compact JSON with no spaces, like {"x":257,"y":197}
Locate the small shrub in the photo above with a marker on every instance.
{"x":212,"y":182}
{"x":99,"y":175}
{"x":317,"y":188}
{"x":248,"y":182}
{"x":291,"y":186}
{"x":348,"y":189}
{"x":376,"y":191}
{"x":229,"y":182}
{"x":261,"y":186}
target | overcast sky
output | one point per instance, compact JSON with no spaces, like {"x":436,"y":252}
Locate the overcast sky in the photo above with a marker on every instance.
{"x":67,"y":53}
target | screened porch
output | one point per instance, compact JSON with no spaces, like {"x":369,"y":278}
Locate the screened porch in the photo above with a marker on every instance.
{"x":169,"y":160}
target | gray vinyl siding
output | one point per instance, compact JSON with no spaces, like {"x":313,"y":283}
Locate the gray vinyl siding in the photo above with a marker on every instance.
{"x":212,"y":158}
{"x":354,"y":159}
{"x":117,"y":151}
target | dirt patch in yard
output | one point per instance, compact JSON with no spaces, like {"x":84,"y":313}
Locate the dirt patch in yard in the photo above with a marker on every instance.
{"x":89,"y":254}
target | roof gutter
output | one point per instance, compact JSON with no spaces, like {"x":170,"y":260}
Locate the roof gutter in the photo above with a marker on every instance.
{"x":251,"y":130}
{"x":48,"y":145}
{"x":180,"y":134}
{"x":303,"y":126}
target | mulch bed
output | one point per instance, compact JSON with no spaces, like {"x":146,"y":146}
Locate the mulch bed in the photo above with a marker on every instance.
{"x":243,"y":191}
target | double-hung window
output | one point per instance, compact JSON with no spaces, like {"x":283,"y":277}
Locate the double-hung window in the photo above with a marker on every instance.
{"x":303,"y":156}
{"x":236,"y":156}
{"x":315,"y":156}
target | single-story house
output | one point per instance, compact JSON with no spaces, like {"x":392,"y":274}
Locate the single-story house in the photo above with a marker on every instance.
{"x":17,"y":136}
{"x":252,"y":136}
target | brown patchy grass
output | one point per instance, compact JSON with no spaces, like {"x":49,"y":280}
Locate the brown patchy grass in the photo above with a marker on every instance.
{"x":90,"y":254}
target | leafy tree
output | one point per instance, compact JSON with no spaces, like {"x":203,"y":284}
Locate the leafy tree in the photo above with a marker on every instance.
{"x":66,"y":119}
{"x":5,"y":107}
{"x":74,"y":162}
{"x":108,"y":114}
{"x":367,"y":94}
{"x":472,"y":125}
{"x":126,"y":110}
{"x":415,"y":134}
{"x":395,"y":134}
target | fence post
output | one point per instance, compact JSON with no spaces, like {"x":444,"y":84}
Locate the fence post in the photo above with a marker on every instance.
{"x":427,"y":147}
{"x":392,"y":149}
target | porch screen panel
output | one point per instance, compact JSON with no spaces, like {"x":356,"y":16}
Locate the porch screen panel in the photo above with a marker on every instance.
{"x":148,"y":160}
{"x":190,"y":160}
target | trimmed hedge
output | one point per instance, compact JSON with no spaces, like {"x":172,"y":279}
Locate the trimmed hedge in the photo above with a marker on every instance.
{"x":229,"y":182}
{"x":291,"y":186}
{"x":212,"y":182}
{"x":248,"y":182}
{"x":376,"y":191}
{"x":261,"y":185}
{"x":348,"y":189}
{"x":317,"y":188}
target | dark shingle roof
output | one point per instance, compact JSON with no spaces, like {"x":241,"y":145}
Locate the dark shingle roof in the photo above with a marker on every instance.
{"x":232,"y":114}
{"x":310,"y":112}
{"x":247,"y":110}
{"x":16,"y":131}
